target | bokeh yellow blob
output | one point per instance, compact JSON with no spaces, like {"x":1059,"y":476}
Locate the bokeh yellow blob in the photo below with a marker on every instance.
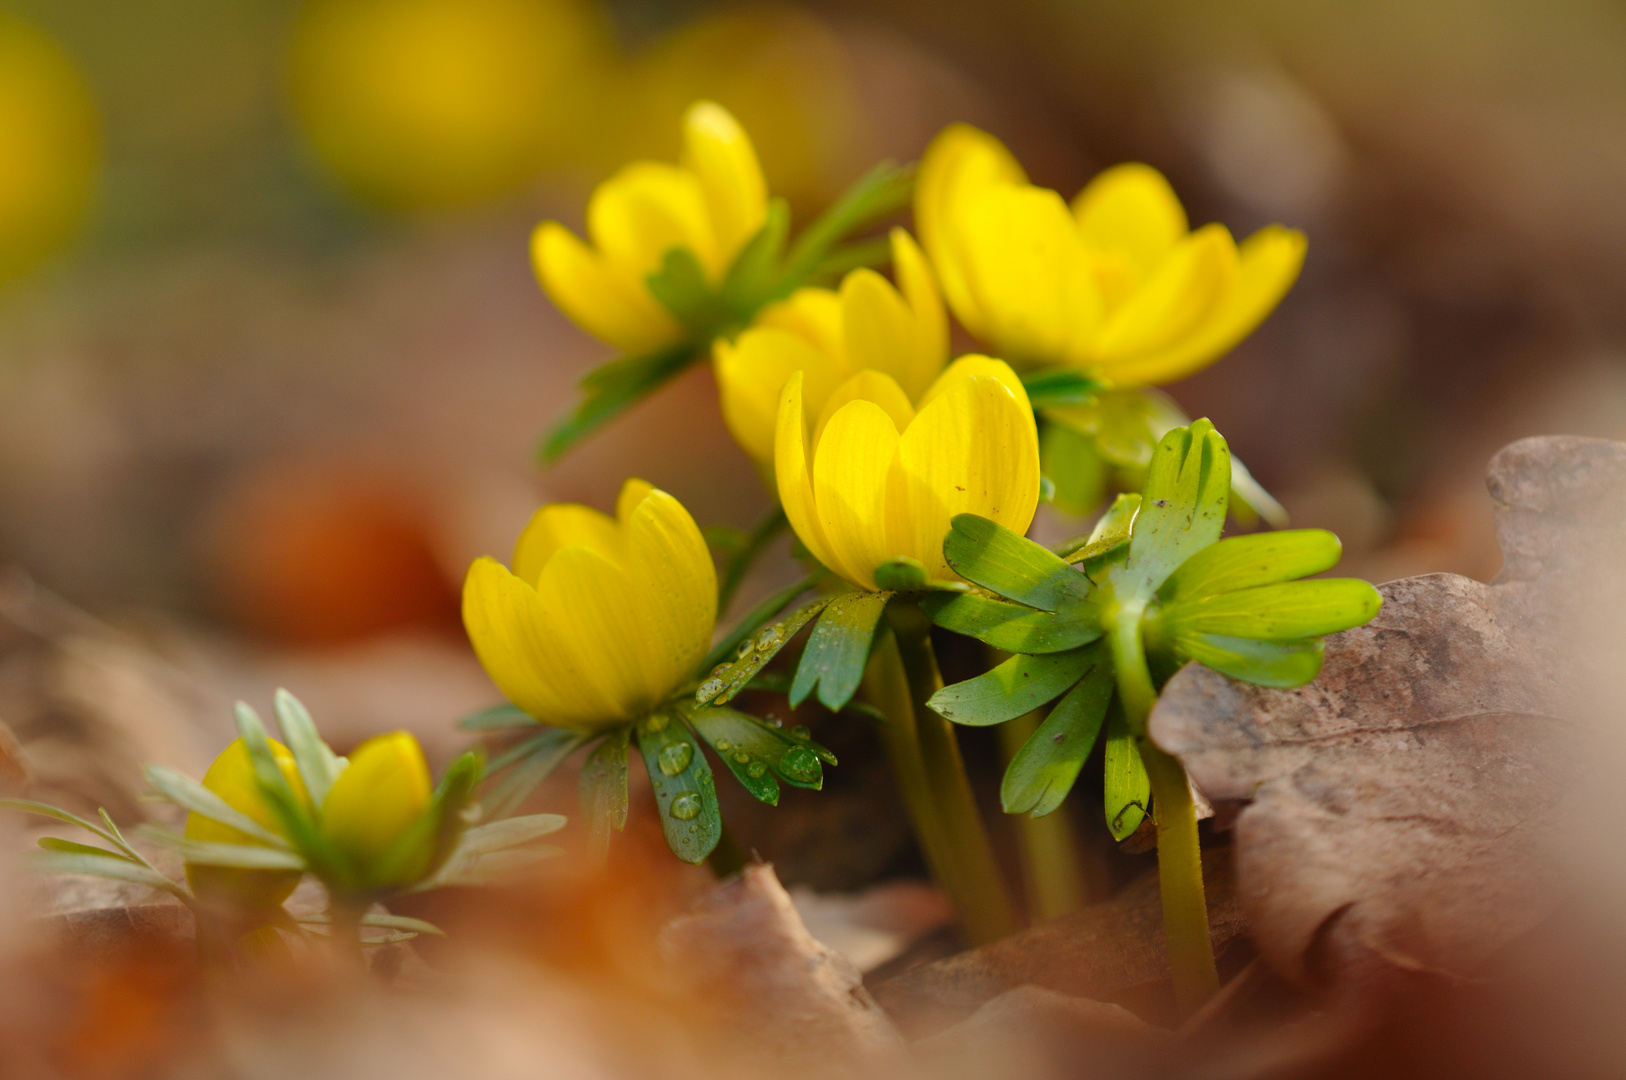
{"x":49,"y":146}
{"x":424,"y":104}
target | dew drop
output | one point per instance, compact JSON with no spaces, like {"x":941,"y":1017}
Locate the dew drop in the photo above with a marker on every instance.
{"x":774,"y":721}
{"x":742,"y":757}
{"x":718,"y":670}
{"x":724,"y":746}
{"x":800,"y":764}
{"x":686,"y":807}
{"x":770,"y":637}
{"x":657,"y":722}
{"x":756,"y":770}
{"x":800,"y":733}
{"x":746,"y":648}
{"x":710,"y":688}
{"x":675,"y":757}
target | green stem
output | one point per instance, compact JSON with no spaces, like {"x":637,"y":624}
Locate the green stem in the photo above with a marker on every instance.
{"x":1179,"y":857}
{"x":1050,"y":867}
{"x":344,"y":929}
{"x":983,"y":901}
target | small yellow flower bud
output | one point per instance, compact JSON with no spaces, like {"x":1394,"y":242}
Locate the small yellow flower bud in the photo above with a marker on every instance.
{"x":374,"y":803}
{"x":232,"y":778}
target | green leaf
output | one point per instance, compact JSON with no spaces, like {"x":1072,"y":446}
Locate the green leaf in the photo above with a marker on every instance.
{"x":1019,"y":685}
{"x":1249,"y":498}
{"x":1078,"y":474}
{"x":684,"y":789}
{"x":753,"y":277}
{"x":1011,"y":627}
{"x":290,"y":810}
{"x":211,"y":853}
{"x":681,"y":287}
{"x":722,"y":685}
{"x":545,"y":755}
{"x":1281,"y":612}
{"x":105,"y":865}
{"x":1013,"y":566}
{"x":508,"y":833}
{"x":613,"y":387}
{"x":1120,"y":424}
{"x":1182,"y":509}
{"x":378,"y":919}
{"x":118,"y":837}
{"x":1060,"y":386}
{"x":842,"y":259}
{"x":186,"y":792}
{"x":450,"y":809}
{"x":838,"y":649}
{"x":318,"y":765}
{"x":1282,"y":664}
{"x":744,"y":556}
{"x":544,"y":740}
{"x":1110,"y":533}
{"x":1043,"y":771}
{"x":602,"y":789}
{"x":1242,"y":562}
{"x":497,"y":718}
{"x":901,"y":574}
{"x":756,"y":751}
{"x":879,"y":193}
{"x":1128,"y":788}
{"x":492,"y":869}
{"x":51,"y":843}
{"x":29,"y":806}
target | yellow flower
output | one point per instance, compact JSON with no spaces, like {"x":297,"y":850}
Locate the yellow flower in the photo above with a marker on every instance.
{"x":1117,"y":284}
{"x":879,"y":480}
{"x":831,"y":336}
{"x":232,"y":778}
{"x":711,"y":203}
{"x":601,"y":618}
{"x":375,"y":803}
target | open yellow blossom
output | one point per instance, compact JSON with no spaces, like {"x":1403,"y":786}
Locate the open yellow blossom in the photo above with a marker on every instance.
{"x":830,"y":336}
{"x":231,"y":776}
{"x":879,"y":480}
{"x":1117,"y":284}
{"x":375,"y":804}
{"x":711,"y":203}
{"x":602,"y":617}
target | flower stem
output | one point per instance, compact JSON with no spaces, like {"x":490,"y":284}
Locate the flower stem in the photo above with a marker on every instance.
{"x":974,"y":880}
{"x":1050,"y":866}
{"x":1179,"y":857}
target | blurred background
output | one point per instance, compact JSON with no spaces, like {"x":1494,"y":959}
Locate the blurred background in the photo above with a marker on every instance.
{"x":273,"y":364}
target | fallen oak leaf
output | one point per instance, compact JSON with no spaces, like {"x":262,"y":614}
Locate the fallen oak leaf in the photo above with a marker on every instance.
{"x":1404,"y":810}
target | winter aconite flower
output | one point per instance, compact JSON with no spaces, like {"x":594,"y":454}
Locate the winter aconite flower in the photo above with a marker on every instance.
{"x":1116,"y":285}
{"x":877,"y":479}
{"x":868,"y":325}
{"x":231,"y":777}
{"x":375,"y":812}
{"x":601,"y":618}
{"x":709,"y":205}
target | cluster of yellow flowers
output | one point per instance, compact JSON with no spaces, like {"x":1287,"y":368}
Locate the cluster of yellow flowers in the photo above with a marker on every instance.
{"x":845,"y":397}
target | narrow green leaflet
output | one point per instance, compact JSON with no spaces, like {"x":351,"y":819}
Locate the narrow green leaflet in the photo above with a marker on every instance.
{"x":1182,"y":509}
{"x":601,"y":790}
{"x":508,"y":833}
{"x":1242,"y":562}
{"x":186,"y":792}
{"x":680,"y":285}
{"x":545,"y":755}
{"x":878,"y":194}
{"x":1281,"y":612}
{"x":318,"y":765}
{"x":751,"y":653}
{"x":289,"y":808}
{"x":745,"y":552}
{"x":71,"y":847}
{"x":1249,"y":498}
{"x":1011,"y":627}
{"x":1043,"y":771}
{"x":753,"y":279}
{"x":497,"y":718}
{"x":614,"y":387}
{"x":446,"y":819}
{"x":833,"y":662}
{"x":1283,"y":664}
{"x":29,"y":806}
{"x":240,"y":856}
{"x":378,"y":919}
{"x":490,"y":869}
{"x":1110,"y":533}
{"x":1019,"y":685}
{"x":1128,"y":788}
{"x":105,"y":865}
{"x":1013,"y":566}
{"x":756,"y":752}
{"x":684,"y":789}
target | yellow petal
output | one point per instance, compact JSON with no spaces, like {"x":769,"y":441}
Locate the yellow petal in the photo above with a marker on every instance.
{"x":852,"y":474}
{"x":604,"y":302}
{"x":793,"y":473}
{"x":644,"y":210}
{"x":231,"y":776}
{"x":960,"y":161}
{"x":930,"y":346}
{"x":378,"y":796}
{"x":604,"y":639}
{"x":973,"y":449}
{"x":633,"y":493}
{"x":973,"y":364}
{"x":879,"y":330}
{"x":560,"y":525}
{"x":813,"y":314}
{"x":1029,"y":274}
{"x":874,"y":386}
{"x":512,"y":638}
{"x":676,"y":583}
{"x":751,"y":375}
{"x":717,"y":150}
{"x":1269,"y":263}
{"x":1194,"y":283}
{"x":1131,"y":209}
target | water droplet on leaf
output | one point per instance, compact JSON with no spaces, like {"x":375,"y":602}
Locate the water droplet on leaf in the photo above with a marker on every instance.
{"x":674,"y":758}
{"x":718,"y":670}
{"x":711,"y":688}
{"x":686,"y":807}
{"x":800,"y":764}
{"x":745,"y":649}
{"x":770,"y":637}
{"x":742,"y":757}
{"x":755,"y":770}
{"x":800,"y":733}
{"x":723,"y":746}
